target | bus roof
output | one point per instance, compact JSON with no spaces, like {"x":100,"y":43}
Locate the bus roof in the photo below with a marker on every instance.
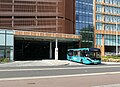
{"x":88,"y":49}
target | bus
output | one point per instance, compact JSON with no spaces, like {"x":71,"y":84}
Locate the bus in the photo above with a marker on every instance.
{"x":85,"y":55}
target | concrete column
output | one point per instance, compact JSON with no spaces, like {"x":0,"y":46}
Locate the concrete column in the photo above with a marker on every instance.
{"x":56,"y":41}
{"x":50,"y":54}
{"x":56,"y":49}
{"x":11,"y":55}
{"x":103,"y":47}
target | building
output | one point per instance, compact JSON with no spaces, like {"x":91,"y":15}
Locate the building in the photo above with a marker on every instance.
{"x":104,"y":17}
{"x":84,"y":22}
{"x":30,"y":28}
{"x":107,"y":26}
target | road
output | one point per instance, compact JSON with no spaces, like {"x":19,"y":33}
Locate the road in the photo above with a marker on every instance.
{"x":16,"y":72}
{"x":61,"y":76}
{"x":112,"y":80}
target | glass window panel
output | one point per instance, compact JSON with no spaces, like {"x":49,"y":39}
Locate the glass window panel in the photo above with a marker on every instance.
{"x":99,"y":8}
{"x":99,"y":26}
{"x":2,"y":39}
{"x":1,"y":53}
{"x":98,"y":0}
{"x":9,"y":40}
{"x":77,"y":17}
{"x":99,"y":17}
{"x":77,"y":25}
{"x":77,"y":31}
{"x":10,"y":32}
{"x":2,"y":31}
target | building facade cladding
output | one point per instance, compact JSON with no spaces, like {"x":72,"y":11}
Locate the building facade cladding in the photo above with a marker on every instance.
{"x":84,"y":22}
{"x":38,"y":15}
{"x":107,"y":25}
{"x":49,"y":19}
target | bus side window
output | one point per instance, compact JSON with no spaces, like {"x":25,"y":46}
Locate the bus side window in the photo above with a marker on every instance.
{"x":79,"y":53}
{"x":70,"y":53}
{"x":75,"y":53}
{"x":82,"y":53}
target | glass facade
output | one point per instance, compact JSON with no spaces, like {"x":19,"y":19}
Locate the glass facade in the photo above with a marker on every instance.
{"x":99,"y":26}
{"x":110,"y":9}
{"x":6,"y":44}
{"x":99,"y":8}
{"x":99,"y":17}
{"x":84,"y":21}
{"x":115,"y":2}
{"x":108,"y":20}
{"x":99,"y":39}
{"x":98,"y":0}
{"x":110,"y":40}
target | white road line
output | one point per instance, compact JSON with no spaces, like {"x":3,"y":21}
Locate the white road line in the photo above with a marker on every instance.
{"x":111,"y":85}
{"x":60,"y":68}
{"x":59,"y":76}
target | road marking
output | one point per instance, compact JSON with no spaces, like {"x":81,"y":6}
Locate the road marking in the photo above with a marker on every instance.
{"x":68,"y":68}
{"x":111,"y":85}
{"x":58,"y":76}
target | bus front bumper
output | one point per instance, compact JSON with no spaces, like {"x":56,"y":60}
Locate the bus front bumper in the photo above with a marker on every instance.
{"x":93,"y":61}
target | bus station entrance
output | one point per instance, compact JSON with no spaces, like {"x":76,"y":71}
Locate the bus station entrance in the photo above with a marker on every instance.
{"x":40,"y":48}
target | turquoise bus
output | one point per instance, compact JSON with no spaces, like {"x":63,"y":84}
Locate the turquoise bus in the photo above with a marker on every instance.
{"x":85,"y":55}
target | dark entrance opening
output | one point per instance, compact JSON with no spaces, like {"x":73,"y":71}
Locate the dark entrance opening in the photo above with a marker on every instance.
{"x":110,"y":50}
{"x":31,"y":50}
{"x":38,"y":50}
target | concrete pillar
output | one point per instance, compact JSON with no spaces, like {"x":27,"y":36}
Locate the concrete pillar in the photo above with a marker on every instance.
{"x":56,"y":41}
{"x":56,"y":49}
{"x":50,"y":54}
{"x":103,"y":47}
{"x":11,"y":55}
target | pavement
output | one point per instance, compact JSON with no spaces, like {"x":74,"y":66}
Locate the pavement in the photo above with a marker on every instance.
{"x":35,"y":63}
{"x":45,"y":63}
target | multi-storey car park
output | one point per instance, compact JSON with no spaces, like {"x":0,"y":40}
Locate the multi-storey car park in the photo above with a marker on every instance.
{"x":107,"y":26}
{"x":29,"y":28}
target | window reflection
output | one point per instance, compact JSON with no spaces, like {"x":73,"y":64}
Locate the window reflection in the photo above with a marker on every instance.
{"x":84,"y":21}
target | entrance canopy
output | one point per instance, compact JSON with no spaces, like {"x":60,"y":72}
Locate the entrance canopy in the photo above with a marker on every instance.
{"x":50,"y":36}
{"x":41,"y":45}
